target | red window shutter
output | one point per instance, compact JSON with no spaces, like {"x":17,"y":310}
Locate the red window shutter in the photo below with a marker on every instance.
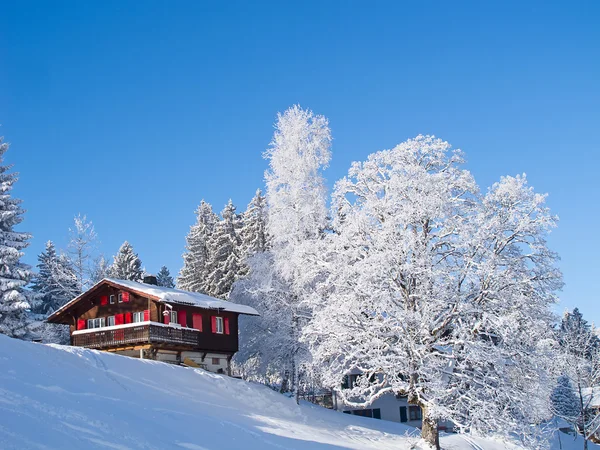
{"x":197,"y":321}
{"x":81,"y":324}
{"x":128,"y":317}
{"x":167,"y":317}
{"x":226,"y":324}
{"x":118,"y":319}
{"x":146,"y":315}
{"x":182,"y":318}
{"x":213,"y":323}
{"x":125,"y":296}
{"x":104,"y":300}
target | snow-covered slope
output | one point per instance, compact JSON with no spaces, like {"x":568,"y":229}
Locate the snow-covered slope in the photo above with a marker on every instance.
{"x":64,"y":397}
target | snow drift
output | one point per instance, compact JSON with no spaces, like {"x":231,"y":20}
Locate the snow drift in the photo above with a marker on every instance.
{"x":66,"y":397}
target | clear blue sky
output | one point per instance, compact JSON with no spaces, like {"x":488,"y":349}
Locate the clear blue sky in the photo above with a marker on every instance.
{"x":132,"y":112}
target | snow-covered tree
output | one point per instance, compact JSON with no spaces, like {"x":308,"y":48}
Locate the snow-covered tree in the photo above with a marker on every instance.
{"x":126,"y":265}
{"x":14,"y":275}
{"x":254,"y":226}
{"x":565,"y":403}
{"x":224,"y":253}
{"x":83,"y":242}
{"x":267,"y":342}
{"x":164,"y":278}
{"x":296,"y":193}
{"x":279,"y":279}
{"x":194,"y":273}
{"x":437,"y":292}
{"x":579,"y":362}
{"x":100,"y":269}
{"x":56,"y":282}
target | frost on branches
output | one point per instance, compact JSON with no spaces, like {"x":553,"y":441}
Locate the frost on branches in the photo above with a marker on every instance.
{"x":14,"y":275}
{"x":126,"y":265}
{"x":278,"y":282}
{"x":436,"y":291}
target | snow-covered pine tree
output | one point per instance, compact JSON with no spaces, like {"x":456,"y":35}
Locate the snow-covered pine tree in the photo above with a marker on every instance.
{"x":126,"y":265}
{"x":224,"y":253}
{"x":56,"y":282}
{"x":194,"y":273}
{"x":254,"y":225}
{"x":565,"y":403}
{"x":83,"y":242}
{"x":14,"y":275}
{"x":437,"y":292}
{"x":164,"y":278}
{"x":579,"y":361}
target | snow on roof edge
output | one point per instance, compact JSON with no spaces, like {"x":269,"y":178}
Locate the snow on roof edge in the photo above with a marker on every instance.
{"x":169,"y":295}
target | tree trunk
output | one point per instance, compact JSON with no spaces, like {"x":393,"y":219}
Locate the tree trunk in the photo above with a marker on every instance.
{"x":429,"y":429}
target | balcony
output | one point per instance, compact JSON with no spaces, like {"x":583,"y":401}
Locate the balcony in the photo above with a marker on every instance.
{"x":143,"y":333}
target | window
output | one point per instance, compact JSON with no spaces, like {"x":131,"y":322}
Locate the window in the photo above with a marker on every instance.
{"x":219,"y":325}
{"x":173,"y":316}
{"x":374,"y":413}
{"x":403,"y":416}
{"x":138,"y":316}
{"x":120,"y":298}
{"x":111,"y":321}
{"x":216,"y":361}
{"x":414,"y":412}
{"x":112,"y":299}
{"x":96,"y":323}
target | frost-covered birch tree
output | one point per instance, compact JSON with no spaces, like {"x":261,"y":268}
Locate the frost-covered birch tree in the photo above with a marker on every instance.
{"x":438,"y":292}
{"x":14,"y":275}
{"x":127,"y":264}
{"x":83,"y":242}
{"x":297,"y":216}
{"x":193,"y":274}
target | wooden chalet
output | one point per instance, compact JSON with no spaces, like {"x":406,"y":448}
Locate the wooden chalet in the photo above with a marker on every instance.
{"x":144,"y":320}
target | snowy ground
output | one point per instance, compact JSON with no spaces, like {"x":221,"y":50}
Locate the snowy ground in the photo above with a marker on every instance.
{"x":65,"y":397}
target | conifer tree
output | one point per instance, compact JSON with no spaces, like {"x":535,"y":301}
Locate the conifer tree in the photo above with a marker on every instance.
{"x":193,"y":274}
{"x":254,"y":225}
{"x":55,"y":283}
{"x":126,"y":265}
{"x":565,"y":403}
{"x":14,"y":275}
{"x":224,"y":249}
{"x":164,"y":278}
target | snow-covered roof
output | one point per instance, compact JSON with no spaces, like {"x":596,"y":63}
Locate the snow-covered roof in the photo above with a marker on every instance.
{"x":177,"y":296}
{"x":168,"y":295}
{"x":591,"y":396}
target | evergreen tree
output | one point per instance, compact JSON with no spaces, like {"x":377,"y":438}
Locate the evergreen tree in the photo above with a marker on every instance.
{"x":193,"y":274}
{"x":565,"y":403}
{"x":126,"y":265}
{"x":56,"y":282}
{"x":254,"y":226}
{"x":224,"y":250}
{"x":164,"y":278}
{"x":14,"y":275}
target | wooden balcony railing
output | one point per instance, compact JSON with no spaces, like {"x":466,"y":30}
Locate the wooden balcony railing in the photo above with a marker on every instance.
{"x":141,"y":334}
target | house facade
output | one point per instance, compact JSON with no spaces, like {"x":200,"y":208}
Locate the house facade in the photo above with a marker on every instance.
{"x":143,"y":320}
{"x":394,"y":408}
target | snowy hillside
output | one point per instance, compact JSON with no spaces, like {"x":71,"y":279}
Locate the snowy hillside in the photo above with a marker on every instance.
{"x":64,"y":397}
